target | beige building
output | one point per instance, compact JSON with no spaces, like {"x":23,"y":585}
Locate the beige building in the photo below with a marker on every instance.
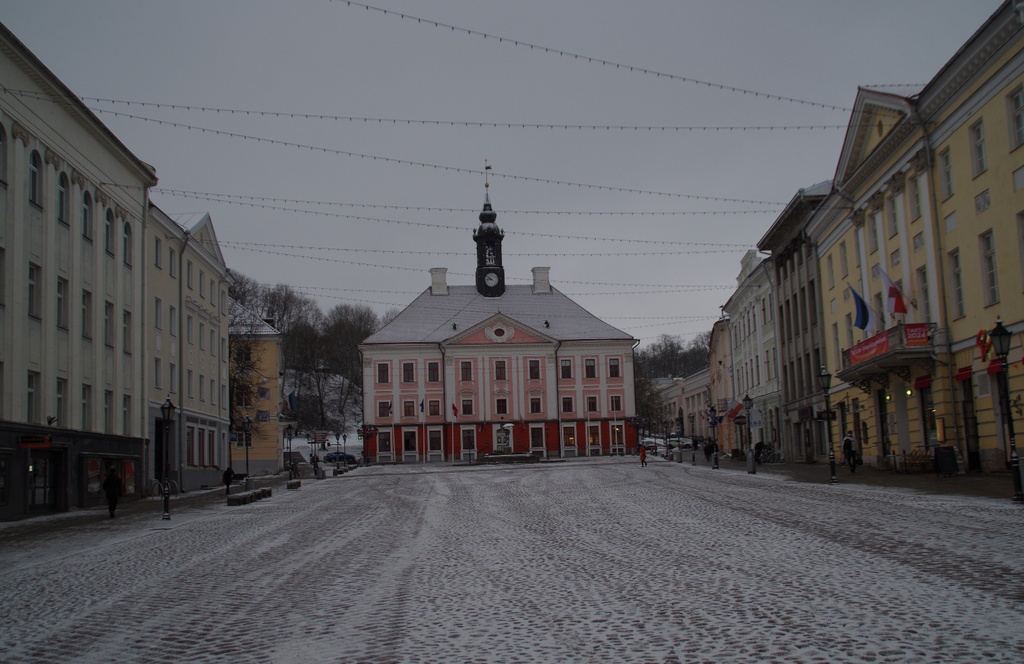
{"x":72,"y":388}
{"x":258,"y":395}
{"x":187,"y":340}
{"x":929,"y":194}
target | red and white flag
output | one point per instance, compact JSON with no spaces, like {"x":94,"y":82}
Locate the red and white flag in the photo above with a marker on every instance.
{"x":895,"y":302}
{"x":455,"y":410}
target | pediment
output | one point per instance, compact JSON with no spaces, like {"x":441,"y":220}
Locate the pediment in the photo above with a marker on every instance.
{"x":498,"y":330}
{"x":876,"y":115}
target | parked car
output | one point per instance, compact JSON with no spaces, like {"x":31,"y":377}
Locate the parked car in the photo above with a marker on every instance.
{"x":335,"y":457}
{"x":650,"y":444}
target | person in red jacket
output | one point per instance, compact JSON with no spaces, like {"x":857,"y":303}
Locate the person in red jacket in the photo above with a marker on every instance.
{"x":643,"y":456}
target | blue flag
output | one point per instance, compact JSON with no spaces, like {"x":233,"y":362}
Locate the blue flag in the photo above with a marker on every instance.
{"x":865,"y":317}
{"x":421,"y":405}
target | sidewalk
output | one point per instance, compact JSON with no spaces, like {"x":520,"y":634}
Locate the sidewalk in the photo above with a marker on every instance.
{"x":981,"y":485}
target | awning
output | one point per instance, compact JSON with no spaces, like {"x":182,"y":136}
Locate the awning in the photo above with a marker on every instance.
{"x":922,"y":382}
{"x":995,"y":366}
{"x":963,"y":373}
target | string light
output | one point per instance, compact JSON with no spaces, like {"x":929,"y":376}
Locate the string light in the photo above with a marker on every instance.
{"x":292,"y":115}
{"x":459,"y":228}
{"x":598,"y":61}
{"x":226,"y":198}
{"x":420,"y":164}
{"x":727,"y":249}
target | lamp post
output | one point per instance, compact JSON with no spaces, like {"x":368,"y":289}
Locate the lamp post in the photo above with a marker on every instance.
{"x":247,"y":432}
{"x":825,"y":380}
{"x":1001,"y":344}
{"x":337,"y":450}
{"x":748,"y":403}
{"x":167,"y":413}
{"x":713,"y":423}
{"x":288,"y":433}
{"x":693,"y":441}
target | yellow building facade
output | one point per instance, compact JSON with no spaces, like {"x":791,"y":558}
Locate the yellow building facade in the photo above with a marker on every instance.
{"x":927,"y":211}
{"x":257,"y":396}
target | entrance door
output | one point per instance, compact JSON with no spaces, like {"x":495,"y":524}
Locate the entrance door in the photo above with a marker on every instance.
{"x":882,"y":408}
{"x":970,"y":425}
{"x":43,"y":481}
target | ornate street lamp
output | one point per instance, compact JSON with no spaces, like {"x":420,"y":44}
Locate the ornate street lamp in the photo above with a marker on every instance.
{"x":693,"y":440}
{"x":1001,"y":344}
{"x":288,"y":433}
{"x":167,"y":413}
{"x":825,"y":380}
{"x":713,"y":423}
{"x":748,"y":403}
{"x":337,"y":450}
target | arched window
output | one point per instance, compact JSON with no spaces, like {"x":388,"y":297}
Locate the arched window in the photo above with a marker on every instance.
{"x":62,"y":198}
{"x":86,"y":215}
{"x":35,"y":179}
{"x":108,"y":232}
{"x":127,"y":249}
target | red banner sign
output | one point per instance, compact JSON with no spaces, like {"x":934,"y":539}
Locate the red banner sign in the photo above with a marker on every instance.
{"x":870,"y":348}
{"x":916,"y":334}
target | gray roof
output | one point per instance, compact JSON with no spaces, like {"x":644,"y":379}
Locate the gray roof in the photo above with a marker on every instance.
{"x":429,"y":318}
{"x":244,"y":322}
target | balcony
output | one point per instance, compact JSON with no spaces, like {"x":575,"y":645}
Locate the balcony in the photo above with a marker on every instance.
{"x":894,"y":351}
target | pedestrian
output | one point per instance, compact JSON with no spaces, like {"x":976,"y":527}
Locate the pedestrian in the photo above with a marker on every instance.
{"x":643,"y":456}
{"x":758,"y":450}
{"x":849,"y":455}
{"x":229,"y":475}
{"x":112,"y":487}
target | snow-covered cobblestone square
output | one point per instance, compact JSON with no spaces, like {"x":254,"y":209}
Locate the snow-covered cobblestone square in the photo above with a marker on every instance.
{"x":583,"y":561}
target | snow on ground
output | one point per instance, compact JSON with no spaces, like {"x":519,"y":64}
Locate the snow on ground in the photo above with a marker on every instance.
{"x":590,"y":560}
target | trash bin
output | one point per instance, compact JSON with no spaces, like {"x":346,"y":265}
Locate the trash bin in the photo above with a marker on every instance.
{"x":679,"y":455}
{"x":250,"y":483}
{"x":321,"y":473}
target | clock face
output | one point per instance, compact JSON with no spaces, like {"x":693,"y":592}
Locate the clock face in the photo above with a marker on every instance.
{"x":491,"y":279}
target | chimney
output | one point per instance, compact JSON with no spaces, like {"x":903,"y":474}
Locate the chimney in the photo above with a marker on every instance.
{"x":438,"y":281}
{"x":541,"y":284}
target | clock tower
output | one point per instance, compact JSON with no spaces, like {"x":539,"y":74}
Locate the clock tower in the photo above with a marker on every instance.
{"x":490,"y":275}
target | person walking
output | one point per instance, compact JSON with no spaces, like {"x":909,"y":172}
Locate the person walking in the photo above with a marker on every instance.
{"x":643,"y":456}
{"x":227,"y":478}
{"x":112,"y":487}
{"x":849,"y":455}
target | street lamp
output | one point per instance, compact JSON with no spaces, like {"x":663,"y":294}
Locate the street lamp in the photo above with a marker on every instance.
{"x":288,"y":433}
{"x":167,"y":413}
{"x":825,"y":380}
{"x":337,"y":450}
{"x":693,"y":441}
{"x":247,"y":432}
{"x":713,"y":423}
{"x":748,"y":403}
{"x":1001,"y":344}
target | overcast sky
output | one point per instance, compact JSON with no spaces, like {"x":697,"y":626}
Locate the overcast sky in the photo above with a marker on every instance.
{"x":643,"y":227}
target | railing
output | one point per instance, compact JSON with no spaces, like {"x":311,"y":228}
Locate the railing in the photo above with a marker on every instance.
{"x":904,"y":336}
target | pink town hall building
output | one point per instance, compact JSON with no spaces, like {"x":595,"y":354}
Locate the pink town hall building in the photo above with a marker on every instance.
{"x":489,"y":369}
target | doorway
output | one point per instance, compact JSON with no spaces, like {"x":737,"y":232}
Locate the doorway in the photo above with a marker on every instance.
{"x":44,"y":484}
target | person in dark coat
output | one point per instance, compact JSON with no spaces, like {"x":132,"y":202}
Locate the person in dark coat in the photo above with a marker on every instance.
{"x":227,"y":478}
{"x":848,"y":452}
{"x":112,"y":487}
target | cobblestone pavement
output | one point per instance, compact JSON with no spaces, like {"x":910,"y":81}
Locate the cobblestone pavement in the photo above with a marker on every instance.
{"x":581,"y":561}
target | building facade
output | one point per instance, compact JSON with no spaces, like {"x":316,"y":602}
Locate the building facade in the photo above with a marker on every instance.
{"x":467,"y":371}
{"x":931,"y":239}
{"x":187,"y":285}
{"x":257,"y":344}
{"x":752,"y":321}
{"x":73,"y":400}
{"x":797,"y":325}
